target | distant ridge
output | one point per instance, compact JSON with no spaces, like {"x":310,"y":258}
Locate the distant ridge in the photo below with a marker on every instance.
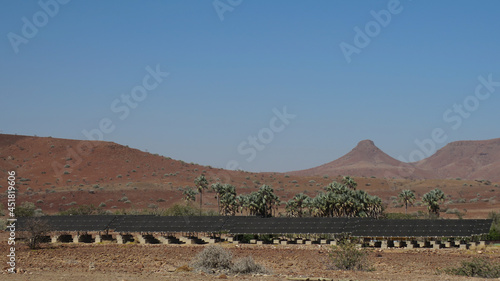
{"x":60,"y":161}
{"x":466,"y":160}
{"x":461,"y":159}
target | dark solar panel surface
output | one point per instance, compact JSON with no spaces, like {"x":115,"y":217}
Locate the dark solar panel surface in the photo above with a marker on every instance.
{"x":74,"y":223}
{"x":255,"y":225}
{"x":360,"y":227}
{"x":420,"y":228}
{"x":169,"y":224}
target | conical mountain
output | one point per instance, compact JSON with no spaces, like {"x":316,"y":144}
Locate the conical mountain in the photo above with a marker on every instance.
{"x":366,"y":160}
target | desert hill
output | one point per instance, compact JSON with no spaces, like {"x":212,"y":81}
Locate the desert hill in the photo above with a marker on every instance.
{"x":367,"y":160}
{"x":57,"y":174}
{"x":466,"y":159}
{"x":472,"y":160}
{"x":50,"y":162}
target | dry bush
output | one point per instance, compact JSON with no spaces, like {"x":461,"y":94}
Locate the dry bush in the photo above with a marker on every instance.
{"x":478,"y":267}
{"x":247,"y":265}
{"x":346,"y":256}
{"x":34,"y":230}
{"x":217,"y":259}
{"x":213,"y":258}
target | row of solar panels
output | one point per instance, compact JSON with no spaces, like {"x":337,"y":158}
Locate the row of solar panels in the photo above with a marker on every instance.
{"x":360,"y":227}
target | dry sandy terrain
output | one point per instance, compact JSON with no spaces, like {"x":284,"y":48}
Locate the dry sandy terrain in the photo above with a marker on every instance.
{"x":161,"y":262}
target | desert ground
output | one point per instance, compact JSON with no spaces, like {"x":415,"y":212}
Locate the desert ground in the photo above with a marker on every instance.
{"x":170,"y":262}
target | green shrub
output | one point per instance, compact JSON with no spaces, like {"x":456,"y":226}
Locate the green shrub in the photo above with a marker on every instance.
{"x":478,"y":267}
{"x":346,"y":256}
{"x":494,"y":234}
{"x":182,"y":210}
{"x":26,"y":209}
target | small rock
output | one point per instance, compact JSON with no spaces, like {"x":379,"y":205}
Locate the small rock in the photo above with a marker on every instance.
{"x":222,"y":276}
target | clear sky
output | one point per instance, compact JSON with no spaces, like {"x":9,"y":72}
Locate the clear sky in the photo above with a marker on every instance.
{"x":346,"y":70}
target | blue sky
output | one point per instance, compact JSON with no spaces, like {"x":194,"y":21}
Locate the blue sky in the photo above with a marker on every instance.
{"x":227,"y":76}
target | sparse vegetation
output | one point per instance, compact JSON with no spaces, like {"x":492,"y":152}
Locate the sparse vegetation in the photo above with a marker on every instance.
{"x":213,"y":258}
{"x":34,"y":230}
{"x":346,"y":256}
{"x":494,"y":234}
{"x":477,"y":267}
{"x":26,"y":209}
{"x":247,"y":265}
{"x":216,"y":259}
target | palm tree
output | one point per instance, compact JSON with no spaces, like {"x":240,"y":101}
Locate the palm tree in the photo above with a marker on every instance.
{"x":291,"y":208}
{"x":201,"y":183}
{"x":432,"y":199}
{"x":296,"y":205}
{"x":337,"y":188}
{"x":189,"y":195}
{"x":228,"y":200}
{"x":407,"y":197}
{"x":349,"y":182}
{"x":375,"y":207}
{"x":264,"y":201}
{"x":218,"y":188}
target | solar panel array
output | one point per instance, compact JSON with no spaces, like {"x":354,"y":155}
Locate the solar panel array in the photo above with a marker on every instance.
{"x":358,"y":227}
{"x":256,"y":225}
{"x":168,"y":224}
{"x":72,"y":223}
{"x":420,"y":228}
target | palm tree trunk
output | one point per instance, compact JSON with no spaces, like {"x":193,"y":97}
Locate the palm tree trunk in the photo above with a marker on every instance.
{"x":201,"y":200}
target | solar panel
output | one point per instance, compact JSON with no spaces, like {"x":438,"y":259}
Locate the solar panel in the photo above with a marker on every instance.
{"x":358,"y":227}
{"x":72,"y":223}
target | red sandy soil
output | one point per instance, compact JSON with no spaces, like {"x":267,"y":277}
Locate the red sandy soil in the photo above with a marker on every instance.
{"x":57,"y":174}
{"x":162,"y":262}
